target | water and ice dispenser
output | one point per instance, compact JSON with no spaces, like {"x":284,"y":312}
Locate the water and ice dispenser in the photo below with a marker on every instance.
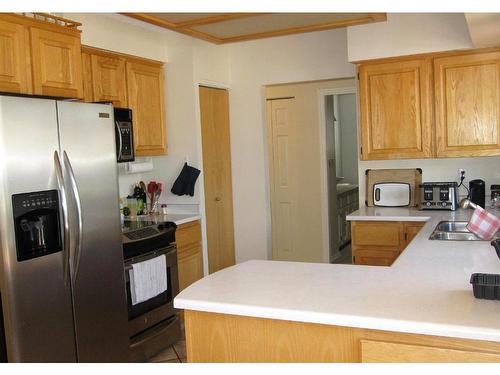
{"x":36,"y":223}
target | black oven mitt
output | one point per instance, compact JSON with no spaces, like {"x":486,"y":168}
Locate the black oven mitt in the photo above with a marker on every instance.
{"x":184,"y":184}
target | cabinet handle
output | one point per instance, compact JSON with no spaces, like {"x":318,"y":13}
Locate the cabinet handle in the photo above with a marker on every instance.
{"x":217,"y":199}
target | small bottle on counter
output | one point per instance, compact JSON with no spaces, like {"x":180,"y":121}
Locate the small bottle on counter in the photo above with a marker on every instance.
{"x":163,"y":209}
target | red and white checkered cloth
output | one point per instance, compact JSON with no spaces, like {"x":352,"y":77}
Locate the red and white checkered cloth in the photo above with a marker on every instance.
{"x":483,"y":224}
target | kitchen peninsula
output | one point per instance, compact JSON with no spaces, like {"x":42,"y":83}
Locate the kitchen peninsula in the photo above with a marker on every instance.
{"x":421,"y":309}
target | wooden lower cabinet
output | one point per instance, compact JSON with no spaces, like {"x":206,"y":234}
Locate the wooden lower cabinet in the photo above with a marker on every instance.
{"x":379,"y":243}
{"x":189,"y":254}
{"x":212,"y":337}
{"x":411,"y":230}
{"x":394,"y":352}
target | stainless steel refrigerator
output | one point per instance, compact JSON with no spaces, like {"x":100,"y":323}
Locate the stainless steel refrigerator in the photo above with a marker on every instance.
{"x":62,"y":276}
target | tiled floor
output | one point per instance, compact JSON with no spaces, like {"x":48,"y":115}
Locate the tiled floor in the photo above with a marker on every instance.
{"x":173,"y":354}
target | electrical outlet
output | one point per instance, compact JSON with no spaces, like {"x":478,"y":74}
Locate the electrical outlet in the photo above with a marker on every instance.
{"x":461,"y":172}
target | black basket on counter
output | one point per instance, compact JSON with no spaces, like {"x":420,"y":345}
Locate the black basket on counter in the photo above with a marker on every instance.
{"x":486,"y":285}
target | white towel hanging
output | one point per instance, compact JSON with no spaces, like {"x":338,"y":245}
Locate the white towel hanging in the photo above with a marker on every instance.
{"x":148,"y":279}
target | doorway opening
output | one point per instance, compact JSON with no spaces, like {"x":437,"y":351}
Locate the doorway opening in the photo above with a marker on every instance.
{"x":298,"y":189}
{"x":341,"y":154}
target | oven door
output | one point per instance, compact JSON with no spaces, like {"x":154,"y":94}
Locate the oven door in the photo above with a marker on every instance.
{"x":148,"y":313}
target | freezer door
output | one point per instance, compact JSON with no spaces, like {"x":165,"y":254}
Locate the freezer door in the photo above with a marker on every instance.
{"x":99,"y":297}
{"x":36,"y":303}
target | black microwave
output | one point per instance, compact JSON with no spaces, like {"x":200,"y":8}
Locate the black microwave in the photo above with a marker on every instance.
{"x":124,"y":135}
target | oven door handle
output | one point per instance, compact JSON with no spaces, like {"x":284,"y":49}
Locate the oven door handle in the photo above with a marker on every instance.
{"x":147,"y":256}
{"x":65,"y":217}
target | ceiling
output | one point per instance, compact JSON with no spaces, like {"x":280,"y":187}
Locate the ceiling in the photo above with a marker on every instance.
{"x":220,"y":28}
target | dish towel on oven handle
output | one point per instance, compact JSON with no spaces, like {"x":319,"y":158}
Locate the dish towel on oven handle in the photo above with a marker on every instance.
{"x":148,"y":279}
{"x":483,"y":224}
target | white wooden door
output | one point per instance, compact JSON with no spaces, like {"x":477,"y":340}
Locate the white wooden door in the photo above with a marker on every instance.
{"x":282,"y":145}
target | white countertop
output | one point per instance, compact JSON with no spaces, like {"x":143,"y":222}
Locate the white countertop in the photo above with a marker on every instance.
{"x":176,"y":218}
{"x":426,"y":291}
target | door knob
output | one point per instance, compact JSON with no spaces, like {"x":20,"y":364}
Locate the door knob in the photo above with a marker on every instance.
{"x":217,"y":199}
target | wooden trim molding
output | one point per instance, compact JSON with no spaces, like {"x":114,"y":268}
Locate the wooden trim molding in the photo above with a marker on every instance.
{"x":185,"y":27}
{"x":104,"y":52}
{"x":172,"y":26}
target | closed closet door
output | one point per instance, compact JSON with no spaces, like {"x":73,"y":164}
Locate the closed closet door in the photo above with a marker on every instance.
{"x":283,"y":165}
{"x":214,"y":114}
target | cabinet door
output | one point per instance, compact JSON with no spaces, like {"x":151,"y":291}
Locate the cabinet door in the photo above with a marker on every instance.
{"x":14,"y":60}
{"x":396,"y":110}
{"x":145,"y":97}
{"x":108,"y":79}
{"x":385,"y":234}
{"x":188,"y":234}
{"x":189,"y":254}
{"x":375,"y":257}
{"x":189,"y":265}
{"x":411,"y":230}
{"x":468,"y":105}
{"x":56,"y":63}
{"x":394,"y":352}
{"x":88,"y":93}
{"x":377,"y":243}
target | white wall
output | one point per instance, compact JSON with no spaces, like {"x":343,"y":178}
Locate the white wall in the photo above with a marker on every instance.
{"x":406,"y":34}
{"x":303,"y":57}
{"x":483,"y":29}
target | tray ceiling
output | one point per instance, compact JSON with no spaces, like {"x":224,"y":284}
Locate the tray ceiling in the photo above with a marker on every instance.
{"x":222,"y":28}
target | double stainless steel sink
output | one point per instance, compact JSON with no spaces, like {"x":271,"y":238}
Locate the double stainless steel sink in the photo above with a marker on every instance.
{"x":453,"y":231}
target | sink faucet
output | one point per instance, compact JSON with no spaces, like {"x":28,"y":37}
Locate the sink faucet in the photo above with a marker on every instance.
{"x":466,"y":203}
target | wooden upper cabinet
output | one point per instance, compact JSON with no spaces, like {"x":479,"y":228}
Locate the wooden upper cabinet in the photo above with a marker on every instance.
{"x":56,"y":63}
{"x":145,"y":87}
{"x":467,"y":96}
{"x":15,"y":74}
{"x":396,"y":109}
{"x":88,"y":91}
{"x":108,"y":73}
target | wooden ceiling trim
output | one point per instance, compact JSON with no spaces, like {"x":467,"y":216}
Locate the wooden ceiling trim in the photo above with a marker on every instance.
{"x":216,"y":19}
{"x":184,"y":27}
{"x":172,"y":26}
{"x":374,"y":17}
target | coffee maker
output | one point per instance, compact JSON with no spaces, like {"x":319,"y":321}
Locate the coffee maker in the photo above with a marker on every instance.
{"x":477,"y":192}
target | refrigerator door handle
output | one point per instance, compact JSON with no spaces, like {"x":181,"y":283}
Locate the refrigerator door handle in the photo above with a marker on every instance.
{"x":120,"y":138}
{"x":65,"y":217}
{"x":78,"y":204}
